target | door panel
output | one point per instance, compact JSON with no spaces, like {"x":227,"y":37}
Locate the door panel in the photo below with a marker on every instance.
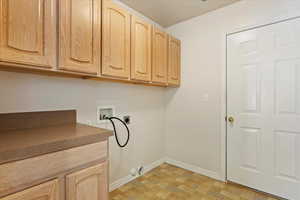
{"x":46,"y":191}
{"x":251,"y":149}
{"x":116,"y":41}
{"x":174,"y":61}
{"x":80,"y":34}
{"x":28,"y":32}
{"x":264,"y":98}
{"x":286,"y":166}
{"x":159,"y":56}
{"x":140,"y":50}
{"x":88,"y":184}
{"x":287,"y":86}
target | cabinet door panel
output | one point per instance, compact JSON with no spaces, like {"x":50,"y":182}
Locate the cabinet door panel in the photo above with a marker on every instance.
{"x":80,"y":34}
{"x":116,"y":41}
{"x":140,"y":50}
{"x":28,"y":32}
{"x":159,"y":56}
{"x":46,"y":191}
{"x":174,"y":61}
{"x":88,"y":184}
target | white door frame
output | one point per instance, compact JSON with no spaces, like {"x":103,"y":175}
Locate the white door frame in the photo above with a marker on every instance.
{"x":223,"y":173}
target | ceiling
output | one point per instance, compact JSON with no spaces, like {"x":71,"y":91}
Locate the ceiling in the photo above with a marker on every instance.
{"x":170,"y":12}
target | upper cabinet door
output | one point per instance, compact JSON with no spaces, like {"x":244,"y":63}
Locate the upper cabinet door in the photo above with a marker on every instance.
{"x":46,"y":191}
{"x":140,"y":49}
{"x":88,"y":184}
{"x":159,"y":56}
{"x":115,"y":41}
{"x":28,"y":32}
{"x":174,"y":72}
{"x":80,"y":36}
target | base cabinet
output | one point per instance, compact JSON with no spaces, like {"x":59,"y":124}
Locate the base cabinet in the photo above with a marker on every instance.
{"x":79,"y":173}
{"x":89,"y":184}
{"x":46,"y":191}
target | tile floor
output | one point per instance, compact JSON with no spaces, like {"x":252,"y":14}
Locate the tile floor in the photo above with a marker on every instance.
{"x":173,"y":183}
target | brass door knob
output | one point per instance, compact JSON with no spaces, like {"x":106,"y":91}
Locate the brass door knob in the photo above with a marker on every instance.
{"x":230,"y":120}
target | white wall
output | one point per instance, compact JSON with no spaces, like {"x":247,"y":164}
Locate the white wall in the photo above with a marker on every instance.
{"x":26,"y":92}
{"x":194,"y":111}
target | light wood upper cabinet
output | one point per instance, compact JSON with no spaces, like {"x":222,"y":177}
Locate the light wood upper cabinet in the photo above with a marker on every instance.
{"x":98,"y":39}
{"x":80,"y":36}
{"x":140,"y":49}
{"x":28,"y":32}
{"x":174,"y":63}
{"x":115,"y":41}
{"x":90,"y":184}
{"x":46,"y":191}
{"x":159,"y":56}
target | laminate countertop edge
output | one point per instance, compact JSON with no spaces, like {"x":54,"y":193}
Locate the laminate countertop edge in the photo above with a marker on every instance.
{"x":58,"y":138}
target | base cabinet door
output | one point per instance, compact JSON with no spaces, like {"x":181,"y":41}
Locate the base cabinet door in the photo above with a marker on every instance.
{"x":115,"y":41}
{"x":159,"y":56}
{"x":80,"y":36}
{"x":28,"y":32}
{"x":46,"y":191}
{"x":88,"y":184}
{"x":174,"y":68}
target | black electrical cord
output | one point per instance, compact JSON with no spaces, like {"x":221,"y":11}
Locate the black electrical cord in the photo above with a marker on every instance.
{"x":116,"y":135}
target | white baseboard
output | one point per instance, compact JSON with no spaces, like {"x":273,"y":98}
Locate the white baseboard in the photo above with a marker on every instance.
{"x":194,"y":168}
{"x":119,"y":183}
{"x":154,"y":165}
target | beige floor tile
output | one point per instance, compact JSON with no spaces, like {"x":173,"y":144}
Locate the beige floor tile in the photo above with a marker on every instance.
{"x":168,"y":182}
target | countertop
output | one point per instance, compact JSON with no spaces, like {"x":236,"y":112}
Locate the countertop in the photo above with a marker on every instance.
{"x":22,"y":144}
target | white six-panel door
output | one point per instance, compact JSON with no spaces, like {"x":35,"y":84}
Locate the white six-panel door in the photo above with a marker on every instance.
{"x":263,"y":96}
